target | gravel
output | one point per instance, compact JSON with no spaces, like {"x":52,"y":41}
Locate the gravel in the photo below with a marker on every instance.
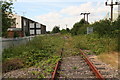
{"x":23,"y":73}
{"x":72,"y":67}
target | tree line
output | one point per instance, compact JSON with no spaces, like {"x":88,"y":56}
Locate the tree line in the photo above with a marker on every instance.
{"x":102,"y":27}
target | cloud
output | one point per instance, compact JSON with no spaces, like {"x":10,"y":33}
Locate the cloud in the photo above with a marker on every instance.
{"x":71,"y":15}
{"x":76,"y":10}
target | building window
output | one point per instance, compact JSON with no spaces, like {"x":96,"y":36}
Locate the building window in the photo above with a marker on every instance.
{"x":32,"y":32}
{"x":32,"y":25}
{"x":38,"y":31}
{"x":38,"y":25}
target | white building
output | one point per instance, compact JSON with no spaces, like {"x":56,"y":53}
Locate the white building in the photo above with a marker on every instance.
{"x":28,"y":26}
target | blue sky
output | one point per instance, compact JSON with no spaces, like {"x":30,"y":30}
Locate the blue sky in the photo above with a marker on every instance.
{"x":38,"y":8}
{"x":61,"y":12}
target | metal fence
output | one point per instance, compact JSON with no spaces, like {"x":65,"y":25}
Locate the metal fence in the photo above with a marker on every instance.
{"x":10,"y":42}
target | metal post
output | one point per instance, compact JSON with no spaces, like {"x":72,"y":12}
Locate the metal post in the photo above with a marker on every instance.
{"x":116,"y":3}
{"x":111,"y":10}
{"x":84,"y":15}
{"x":87,"y":16}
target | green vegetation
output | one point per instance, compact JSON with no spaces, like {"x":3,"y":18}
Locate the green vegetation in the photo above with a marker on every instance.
{"x":45,"y":51}
{"x":7,"y":19}
{"x":102,"y":42}
{"x":102,"y":28}
{"x":42,"y":51}
{"x":103,"y":39}
{"x":56,"y":29}
{"x":74,"y":68}
{"x":65,"y":31}
{"x":95,"y":44}
{"x":16,"y":34}
{"x":79,"y":27}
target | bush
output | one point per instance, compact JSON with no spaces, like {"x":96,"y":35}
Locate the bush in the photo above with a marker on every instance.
{"x":103,"y":27}
{"x":78,"y":27}
{"x":16,"y":35}
{"x":63,"y":31}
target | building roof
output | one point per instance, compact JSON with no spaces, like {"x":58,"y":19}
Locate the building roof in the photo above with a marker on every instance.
{"x":28,"y":19}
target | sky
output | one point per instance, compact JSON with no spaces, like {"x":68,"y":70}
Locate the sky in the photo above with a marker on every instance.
{"x":62,"y":13}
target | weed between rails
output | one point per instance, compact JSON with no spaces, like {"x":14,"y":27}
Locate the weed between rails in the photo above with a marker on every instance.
{"x":44,"y":51}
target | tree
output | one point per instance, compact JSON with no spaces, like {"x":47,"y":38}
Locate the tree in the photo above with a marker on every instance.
{"x":67,"y":29}
{"x":56,"y":29}
{"x":103,"y":27}
{"x":63,"y":31}
{"x":76,"y":27}
{"x":7,"y":16}
{"x":116,"y":27}
{"x":116,"y":24}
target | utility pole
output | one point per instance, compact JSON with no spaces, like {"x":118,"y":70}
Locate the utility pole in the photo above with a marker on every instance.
{"x":84,"y":15}
{"x":112,"y":4}
{"x":87,"y":16}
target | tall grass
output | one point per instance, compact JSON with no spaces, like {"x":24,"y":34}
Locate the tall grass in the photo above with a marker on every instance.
{"x":44,"y":51}
{"x":96,"y":44}
{"x":41,"y":48}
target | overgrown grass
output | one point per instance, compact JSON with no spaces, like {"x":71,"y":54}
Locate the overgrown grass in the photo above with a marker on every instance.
{"x":96,"y":44}
{"x":45,"y":51}
{"x":110,"y":58}
{"x":42,"y":50}
{"x":106,"y":48}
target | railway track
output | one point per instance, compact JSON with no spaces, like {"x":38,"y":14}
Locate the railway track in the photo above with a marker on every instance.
{"x":79,"y":67}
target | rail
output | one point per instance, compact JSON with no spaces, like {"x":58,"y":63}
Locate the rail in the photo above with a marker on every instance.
{"x":54,"y":74}
{"x":92,"y":67}
{"x":87,"y":60}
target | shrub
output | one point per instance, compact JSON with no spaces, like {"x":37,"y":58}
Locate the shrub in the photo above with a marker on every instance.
{"x":16,"y":35}
{"x":56,"y":29}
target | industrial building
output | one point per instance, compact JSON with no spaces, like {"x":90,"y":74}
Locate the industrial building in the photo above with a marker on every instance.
{"x":26,"y":27}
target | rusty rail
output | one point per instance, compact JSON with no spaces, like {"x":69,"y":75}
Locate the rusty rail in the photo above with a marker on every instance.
{"x":55,"y":71}
{"x":92,"y":67}
{"x":54,"y":74}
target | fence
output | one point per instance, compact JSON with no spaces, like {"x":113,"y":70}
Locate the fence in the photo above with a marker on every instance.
{"x":10,"y":42}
